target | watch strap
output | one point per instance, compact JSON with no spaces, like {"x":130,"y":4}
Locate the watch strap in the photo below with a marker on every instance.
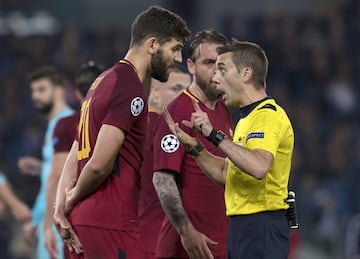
{"x":195,"y":151}
{"x":216,"y":136}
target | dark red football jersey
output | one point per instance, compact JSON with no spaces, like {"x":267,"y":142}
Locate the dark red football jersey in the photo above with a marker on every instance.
{"x":151,"y":214}
{"x":65,"y":132}
{"x":203,"y":199}
{"x":116,"y":98}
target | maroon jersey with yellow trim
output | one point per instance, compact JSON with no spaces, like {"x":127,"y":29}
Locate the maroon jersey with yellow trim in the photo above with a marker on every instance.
{"x":65,"y":132}
{"x":116,"y":98}
{"x":203,"y":199}
{"x":151,"y":214}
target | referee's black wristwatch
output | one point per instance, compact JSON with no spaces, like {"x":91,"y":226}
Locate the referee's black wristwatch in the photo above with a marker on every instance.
{"x":216,"y":136}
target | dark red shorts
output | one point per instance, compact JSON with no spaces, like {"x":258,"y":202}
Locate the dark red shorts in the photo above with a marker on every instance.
{"x":101,"y":243}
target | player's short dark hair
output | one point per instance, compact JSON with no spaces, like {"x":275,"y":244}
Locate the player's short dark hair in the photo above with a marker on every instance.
{"x":248,"y":54}
{"x":160,"y":23}
{"x":86,"y":76}
{"x":208,"y":35}
{"x":50,"y":73}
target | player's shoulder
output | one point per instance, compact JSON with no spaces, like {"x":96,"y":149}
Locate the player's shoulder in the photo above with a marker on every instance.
{"x":182,"y":104}
{"x":70,"y":118}
{"x":66,"y":122}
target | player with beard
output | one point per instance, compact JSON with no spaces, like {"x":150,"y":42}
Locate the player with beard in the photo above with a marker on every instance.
{"x":64,"y":134}
{"x":48,"y":96}
{"x":151,"y":214}
{"x":97,"y":216}
{"x":196,"y":225}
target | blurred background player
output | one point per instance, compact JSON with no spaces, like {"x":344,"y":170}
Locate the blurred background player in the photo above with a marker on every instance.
{"x":19,"y":209}
{"x":196,"y":225}
{"x":64,"y":134}
{"x":151,"y":214}
{"x":48,"y":95}
{"x":107,"y":155}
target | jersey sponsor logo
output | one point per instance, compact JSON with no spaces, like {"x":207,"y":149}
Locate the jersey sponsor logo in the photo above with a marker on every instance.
{"x":170,"y":143}
{"x":255,"y":135}
{"x":137,"y":105}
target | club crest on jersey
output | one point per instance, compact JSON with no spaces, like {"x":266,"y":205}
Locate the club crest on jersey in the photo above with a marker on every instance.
{"x":137,"y":105}
{"x":170,"y":143}
{"x":255,"y":135}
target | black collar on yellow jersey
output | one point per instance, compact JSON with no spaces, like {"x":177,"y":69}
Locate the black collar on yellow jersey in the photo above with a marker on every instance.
{"x":245,"y":111}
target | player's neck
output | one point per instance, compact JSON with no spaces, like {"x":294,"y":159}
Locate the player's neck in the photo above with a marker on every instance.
{"x":58,"y":107}
{"x":141,"y":62}
{"x":197,"y":92}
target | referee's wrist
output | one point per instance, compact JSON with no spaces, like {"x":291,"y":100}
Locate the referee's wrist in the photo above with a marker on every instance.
{"x":216,"y":136}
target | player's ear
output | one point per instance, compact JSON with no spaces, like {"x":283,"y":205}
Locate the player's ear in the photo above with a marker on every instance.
{"x":152,"y":44}
{"x":191,"y":66}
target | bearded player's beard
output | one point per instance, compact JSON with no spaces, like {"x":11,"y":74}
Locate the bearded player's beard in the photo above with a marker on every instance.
{"x":45,"y":109}
{"x":159,"y":67}
{"x":211,"y":93}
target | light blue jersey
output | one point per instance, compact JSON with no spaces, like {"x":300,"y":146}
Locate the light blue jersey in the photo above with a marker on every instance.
{"x":2,"y":178}
{"x":38,"y":210}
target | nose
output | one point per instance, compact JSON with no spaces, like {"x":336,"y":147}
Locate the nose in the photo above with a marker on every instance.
{"x":215,"y":77}
{"x":178,"y":57}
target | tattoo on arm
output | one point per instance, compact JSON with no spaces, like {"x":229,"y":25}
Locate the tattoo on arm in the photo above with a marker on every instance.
{"x":170,"y":199}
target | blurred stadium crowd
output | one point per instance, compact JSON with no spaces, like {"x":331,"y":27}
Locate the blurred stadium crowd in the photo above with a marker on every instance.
{"x":314,"y":74}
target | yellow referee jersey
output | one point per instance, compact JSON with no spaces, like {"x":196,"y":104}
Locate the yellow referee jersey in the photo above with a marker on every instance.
{"x":265,"y":126}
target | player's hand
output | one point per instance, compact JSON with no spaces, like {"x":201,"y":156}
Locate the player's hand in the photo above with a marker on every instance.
{"x":67,"y":233}
{"x":199,"y":121}
{"x":183,"y":137}
{"x":50,"y":242}
{"x":70,"y":200}
{"x":29,"y":165}
{"x":21,"y":212}
{"x":29,"y":230}
{"x":196,"y":244}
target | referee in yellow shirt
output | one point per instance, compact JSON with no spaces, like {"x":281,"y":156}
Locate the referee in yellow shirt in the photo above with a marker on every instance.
{"x":257,"y":169}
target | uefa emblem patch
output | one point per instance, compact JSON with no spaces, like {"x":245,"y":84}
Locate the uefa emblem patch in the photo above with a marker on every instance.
{"x":170,"y":143}
{"x":137,"y":105}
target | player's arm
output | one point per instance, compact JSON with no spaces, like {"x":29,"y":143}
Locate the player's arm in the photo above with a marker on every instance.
{"x":68,"y":175}
{"x":194,"y":242}
{"x":19,"y":209}
{"x":99,"y":167}
{"x":169,"y":196}
{"x":67,"y":178}
{"x":52,"y":184}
